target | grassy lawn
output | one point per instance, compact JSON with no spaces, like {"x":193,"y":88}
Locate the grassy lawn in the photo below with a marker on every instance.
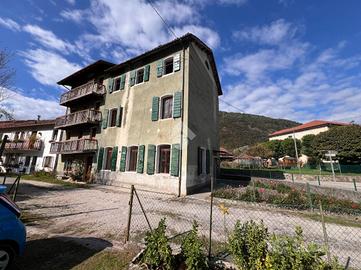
{"x":47,"y":178}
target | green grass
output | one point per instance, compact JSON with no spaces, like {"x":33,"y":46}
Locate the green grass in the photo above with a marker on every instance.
{"x":107,"y":260}
{"x":52,"y":180}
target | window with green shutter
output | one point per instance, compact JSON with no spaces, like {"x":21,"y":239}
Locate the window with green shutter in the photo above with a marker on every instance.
{"x":114,"y":159}
{"x":110,"y":84}
{"x":151,"y":159}
{"x":155,"y":108}
{"x":177,"y":62}
{"x":123,"y":159}
{"x":140,"y":163}
{"x":132,"y":78}
{"x":174,"y":171}
{"x":177,"y":104}
{"x":119,"y":116}
{"x":146,"y":73}
{"x":160,"y":65}
{"x":122,"y":81}
{"x":100,"y":158}
{"x":105,"y":115}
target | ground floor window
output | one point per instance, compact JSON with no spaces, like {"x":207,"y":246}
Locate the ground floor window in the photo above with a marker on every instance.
{"x":48,"y":161}
{"x":108,"y":158}
{"x":132,"y":158}
{"x":164,"y":159}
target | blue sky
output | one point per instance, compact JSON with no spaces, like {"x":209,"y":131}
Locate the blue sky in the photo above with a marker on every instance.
{"x":281,"y":58}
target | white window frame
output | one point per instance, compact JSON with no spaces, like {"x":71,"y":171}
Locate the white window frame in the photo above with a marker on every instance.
{"x":116,"y":78}
{"x":165,"y":59}
{"x":128,"y":159}
{"x":50,"y":163}
{"x":110,"y":118}
{"x":105,"y":158}
{"x":161,"y":107}
{"x":136,"y":76}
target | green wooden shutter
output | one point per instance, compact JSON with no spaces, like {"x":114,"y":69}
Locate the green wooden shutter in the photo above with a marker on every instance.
{"x":122,"y":81}
{"x":100,"y":158}
{"x":177,"y":105}
{"x":174,"y":170}
{"x":160,"y":68}
{"x":176,"y":62}
{"x":208,"y":161}
{"x":123,"y":159}
{"x":105,"y":118}
{"x":155,"y":108}
{"x":140,"y":163}
{"x":113,"y":163}
{"x":119,"y":117}
{"x":151,"y":159}
{"x":110,"y":84}
{"x":146,"y":73}
{"x":132,"y":78}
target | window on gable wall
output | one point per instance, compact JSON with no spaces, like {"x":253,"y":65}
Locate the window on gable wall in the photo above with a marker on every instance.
{"x":113,"y":117}
{"x":166,"y":107}
{"x":140,"y":75}
{"x":116,"y":84}
{"x":168,"y":65}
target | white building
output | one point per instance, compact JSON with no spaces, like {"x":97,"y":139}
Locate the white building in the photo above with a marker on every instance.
{"x":314,"y":127}
{"x":28,"y":146}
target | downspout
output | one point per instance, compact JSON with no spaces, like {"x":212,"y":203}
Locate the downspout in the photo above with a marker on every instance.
{"x":182,"y":125}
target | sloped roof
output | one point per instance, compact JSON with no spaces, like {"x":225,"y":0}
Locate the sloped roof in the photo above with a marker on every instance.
{"x":12,"y":124}
{"x":308,"y":125}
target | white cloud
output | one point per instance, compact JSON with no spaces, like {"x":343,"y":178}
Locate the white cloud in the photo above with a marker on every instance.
{"x":24,"y":107}
{"x":75,"y":15}
{"x":210,"y":37}
{"x":273,"y":34}
{"x":48,"y":67}
{"x":10,"y":24}
{"x":48,"y":38}
{"x":71,"y":2}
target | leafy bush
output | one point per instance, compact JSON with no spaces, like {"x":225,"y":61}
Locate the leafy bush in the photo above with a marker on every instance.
{"x":248,"y":245}
{"x":158,"y":254}
{"x":192,"y":251}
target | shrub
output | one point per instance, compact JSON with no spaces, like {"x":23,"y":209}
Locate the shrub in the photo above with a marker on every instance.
{"x":248,"y":245}
{"x":192,"y":250}
{"x":158,"y":254}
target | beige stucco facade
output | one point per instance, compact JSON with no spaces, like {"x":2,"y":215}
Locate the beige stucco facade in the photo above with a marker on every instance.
{"x":196,"y":127}
{"x":299,"y":134}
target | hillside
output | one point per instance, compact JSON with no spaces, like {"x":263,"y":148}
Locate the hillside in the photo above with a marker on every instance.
{"x":240,"y":129}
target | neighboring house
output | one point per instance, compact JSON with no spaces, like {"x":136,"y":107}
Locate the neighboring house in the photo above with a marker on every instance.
{"x":151,"y":121}
{"x":28,"y":146}
{"x":314,"y":127}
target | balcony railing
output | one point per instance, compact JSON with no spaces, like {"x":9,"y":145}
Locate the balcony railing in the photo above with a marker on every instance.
{"x":74,"y":146}
{"x":77,"y":118}
{"x":28,"y":145}
{"x":82,"y":91}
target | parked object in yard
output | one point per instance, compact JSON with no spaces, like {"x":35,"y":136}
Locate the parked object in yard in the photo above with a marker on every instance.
{"x":12,"y":231}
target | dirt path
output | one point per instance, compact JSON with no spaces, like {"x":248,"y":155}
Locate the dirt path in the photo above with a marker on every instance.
{"x":101,"y":212}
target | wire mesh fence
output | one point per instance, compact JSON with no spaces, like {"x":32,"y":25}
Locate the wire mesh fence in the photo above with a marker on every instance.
{"x":329,"y":217}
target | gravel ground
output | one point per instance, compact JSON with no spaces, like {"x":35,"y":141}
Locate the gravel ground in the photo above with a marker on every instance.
{"x":101,"y":212}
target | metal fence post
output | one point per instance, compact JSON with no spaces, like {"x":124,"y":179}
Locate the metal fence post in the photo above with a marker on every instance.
{"x":129,"y":213}
{"x":293,"y":179}
{"x":309,"y":196}
{"x":4,"y":181}
{"x":325,"y":236}
{"x":318,"y":179}
{"x":354,"y":184}
{"x":211,"y":212}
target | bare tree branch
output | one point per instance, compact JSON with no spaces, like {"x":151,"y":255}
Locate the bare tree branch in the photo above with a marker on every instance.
{"x":6,"y":83}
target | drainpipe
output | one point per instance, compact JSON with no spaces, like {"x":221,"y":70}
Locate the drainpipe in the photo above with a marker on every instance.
{"x":182,"y":125}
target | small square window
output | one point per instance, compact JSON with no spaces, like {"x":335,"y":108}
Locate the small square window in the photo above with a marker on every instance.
{"x":167,"y":106}
{"x":168,"y":65}
{"x":116,"y":84}
{"x":113,"y":118}
{"x":140,"y":75}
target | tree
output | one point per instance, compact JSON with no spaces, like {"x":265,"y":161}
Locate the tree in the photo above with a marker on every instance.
{"x":346,"y":140}
{"x":6,"y":80}
{"x":276,"y":147}
{"x":259,"y":150}
{"x":288,"y":147}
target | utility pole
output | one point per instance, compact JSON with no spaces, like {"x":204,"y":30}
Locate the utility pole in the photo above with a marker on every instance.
{"x":296,"y":151}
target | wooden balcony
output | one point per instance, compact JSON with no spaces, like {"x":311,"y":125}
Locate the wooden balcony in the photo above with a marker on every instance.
{"x":80,"y":92}
{"x":78,"y":118}
{"x":74,"y":146}
{"x":27,"y":145}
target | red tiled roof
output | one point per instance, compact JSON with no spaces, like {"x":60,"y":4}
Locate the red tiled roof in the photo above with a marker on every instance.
{"x":25,"y":123}
{"x":309,"y":125}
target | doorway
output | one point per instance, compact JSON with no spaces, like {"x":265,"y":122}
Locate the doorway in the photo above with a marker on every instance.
{"x":88,"y":169}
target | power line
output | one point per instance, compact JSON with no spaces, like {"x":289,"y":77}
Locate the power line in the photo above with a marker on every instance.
{"x":229,"y":104}
{"x":160,"y":16}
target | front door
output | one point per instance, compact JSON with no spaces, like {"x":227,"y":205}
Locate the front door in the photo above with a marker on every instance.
{"x":88,"y":169}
